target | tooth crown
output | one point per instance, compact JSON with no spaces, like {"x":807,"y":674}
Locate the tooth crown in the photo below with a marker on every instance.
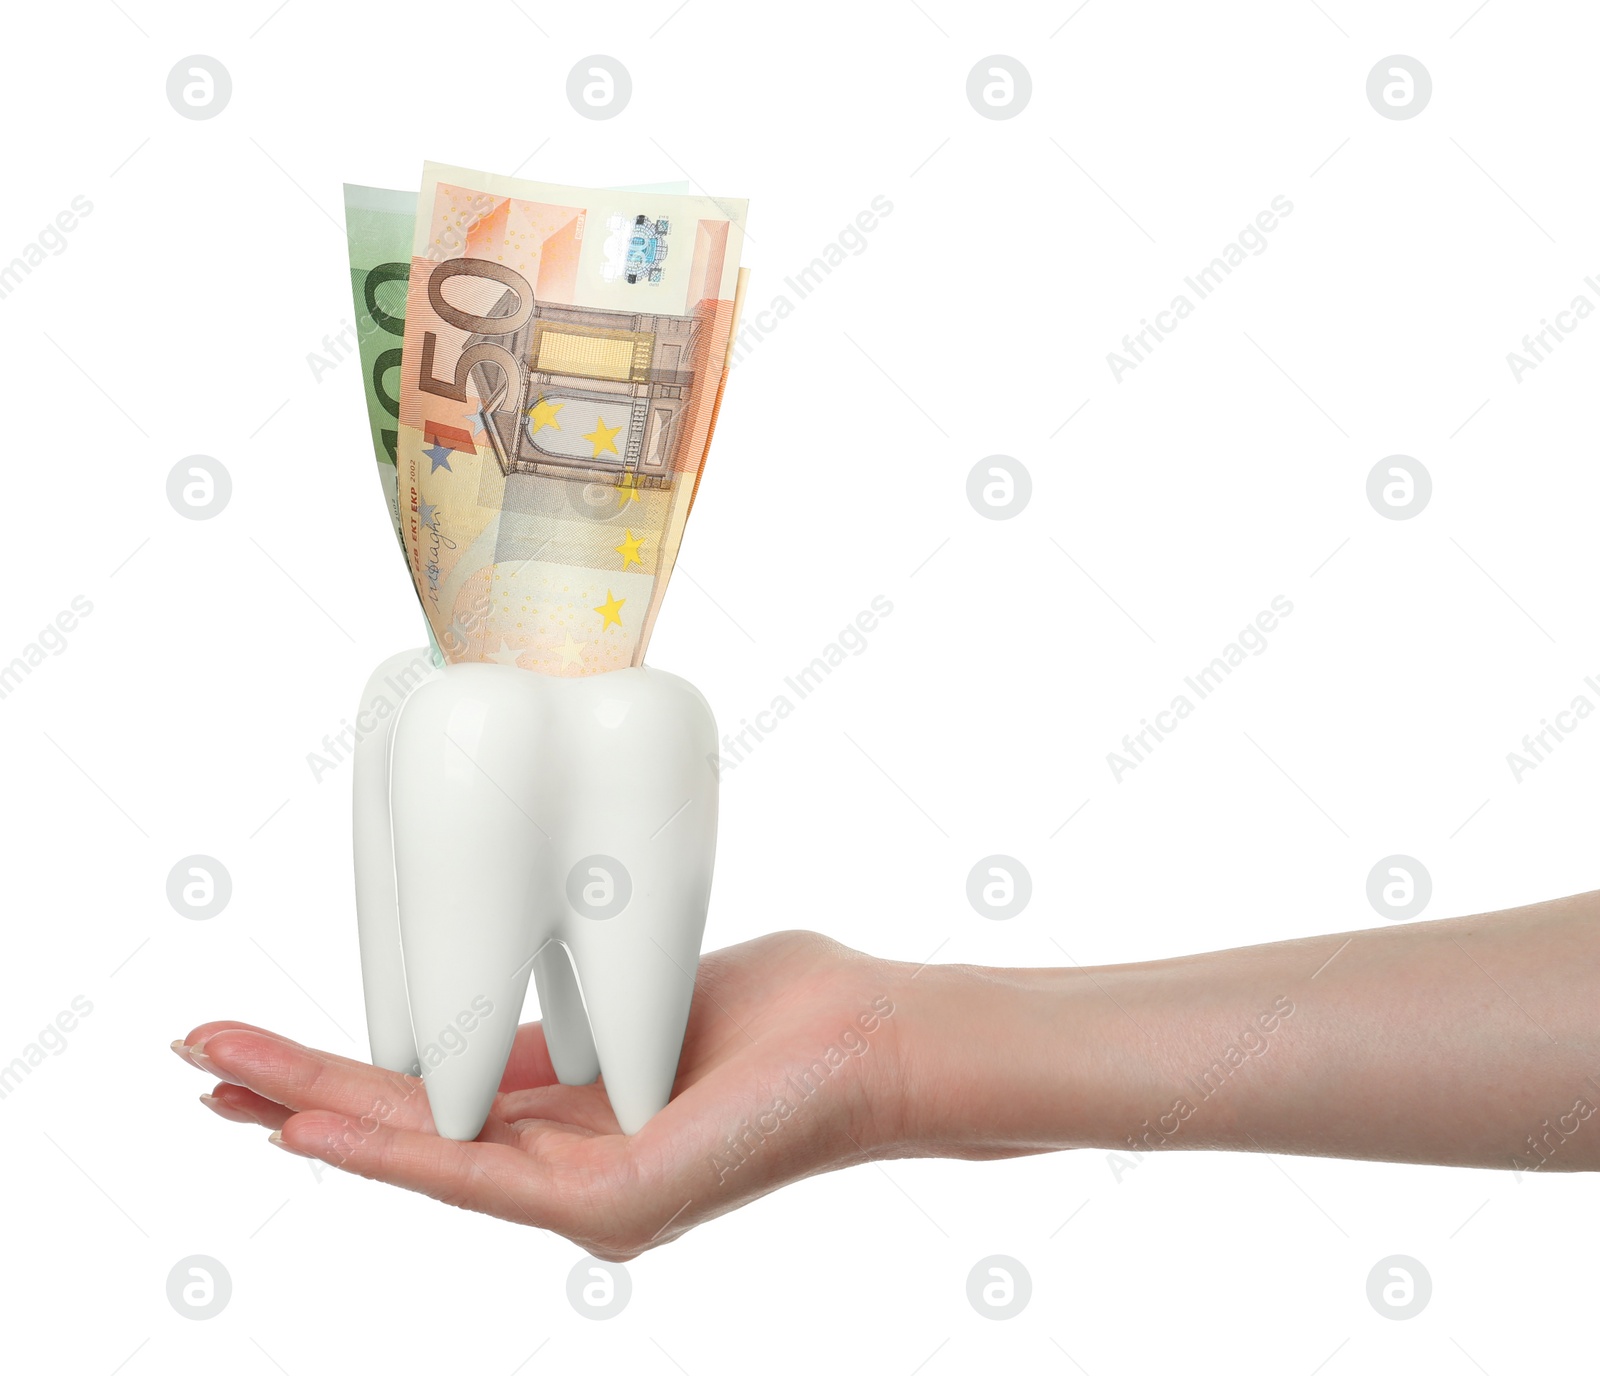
{"x":508,"y":824}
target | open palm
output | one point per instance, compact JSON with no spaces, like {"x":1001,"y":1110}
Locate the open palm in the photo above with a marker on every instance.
{"x":790,"y":1066}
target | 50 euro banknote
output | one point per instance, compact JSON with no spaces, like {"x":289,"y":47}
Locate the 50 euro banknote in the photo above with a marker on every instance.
{"x":379,"y":224}
{"x":562,"y":360}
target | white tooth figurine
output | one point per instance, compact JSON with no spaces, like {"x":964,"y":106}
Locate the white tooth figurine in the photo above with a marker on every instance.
{"x":508,"y":823}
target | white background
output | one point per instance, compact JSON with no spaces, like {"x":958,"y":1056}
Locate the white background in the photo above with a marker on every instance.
{"x":1170,"y":509}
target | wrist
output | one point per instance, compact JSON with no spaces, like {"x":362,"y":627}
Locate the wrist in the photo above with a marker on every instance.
{"x":997,"y":1062}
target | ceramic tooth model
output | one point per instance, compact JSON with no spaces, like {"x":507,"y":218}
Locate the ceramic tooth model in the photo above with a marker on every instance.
{"x":508,"y":823}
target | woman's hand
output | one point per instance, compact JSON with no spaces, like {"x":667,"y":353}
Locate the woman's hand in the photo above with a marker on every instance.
{"x":791,"y":1066}
{"x":1469,"y":1042}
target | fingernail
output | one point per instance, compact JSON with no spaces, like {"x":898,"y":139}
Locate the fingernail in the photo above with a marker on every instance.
{"x":180,"y":1049}
{"x":276,"y":1138}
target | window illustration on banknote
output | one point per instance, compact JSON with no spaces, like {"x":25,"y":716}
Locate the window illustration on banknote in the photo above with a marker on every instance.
{"x":605,"y":392}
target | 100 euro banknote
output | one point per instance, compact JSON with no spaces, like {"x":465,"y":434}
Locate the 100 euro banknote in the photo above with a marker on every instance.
{"x":379,"y":225}
{"x":564,"y":355}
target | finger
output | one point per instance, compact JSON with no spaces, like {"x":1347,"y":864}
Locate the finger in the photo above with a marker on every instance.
{"x":299,"y":1078}
{"x":191,"y":1050}
{"x":489,"y":1177}
{"x":302,"y":1079}
{"x":527,"y":1068}
{"x":186,"y":1045}
{"x":196,"y":1039}
{"x":206,"y":1029}
{"x":529,"y":1064}
{"x":240,"y":1105}
{"x":224,"y":1110}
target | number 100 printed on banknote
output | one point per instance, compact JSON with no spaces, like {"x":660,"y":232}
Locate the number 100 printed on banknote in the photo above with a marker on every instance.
{"x":564,"y":355}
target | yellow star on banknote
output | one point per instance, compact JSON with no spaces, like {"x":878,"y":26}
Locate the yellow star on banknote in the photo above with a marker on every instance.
{"x":570,"y":656}
{"x":629,"y":550}
{"x":543,"y":413}
{"x":611,"y":611}
{"x":627,"y":488}
{"x":601,"y":438}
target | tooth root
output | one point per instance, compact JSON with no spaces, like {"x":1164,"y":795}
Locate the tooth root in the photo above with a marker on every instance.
{"x":383,"y":978}
{"x":638,"y":995}
{"x":566,"y":1024}
{"x":469,"y":855}
{"x":637,"y":968}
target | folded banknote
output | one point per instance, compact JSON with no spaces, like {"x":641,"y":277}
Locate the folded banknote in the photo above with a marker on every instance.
{"x":543,"y":368}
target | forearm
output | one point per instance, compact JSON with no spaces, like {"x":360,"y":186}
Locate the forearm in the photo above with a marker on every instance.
{"x":1466,"y":1042}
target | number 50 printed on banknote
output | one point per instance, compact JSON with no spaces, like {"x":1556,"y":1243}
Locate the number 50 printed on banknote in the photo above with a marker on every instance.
{"x":563,"y":360}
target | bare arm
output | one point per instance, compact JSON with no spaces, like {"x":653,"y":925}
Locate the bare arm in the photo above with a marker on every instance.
{"x":1472,"y":1042}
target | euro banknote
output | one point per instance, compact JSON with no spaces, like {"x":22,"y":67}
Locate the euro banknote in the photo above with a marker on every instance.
{"x":379,"y":224}
{"x":563,"y":353}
